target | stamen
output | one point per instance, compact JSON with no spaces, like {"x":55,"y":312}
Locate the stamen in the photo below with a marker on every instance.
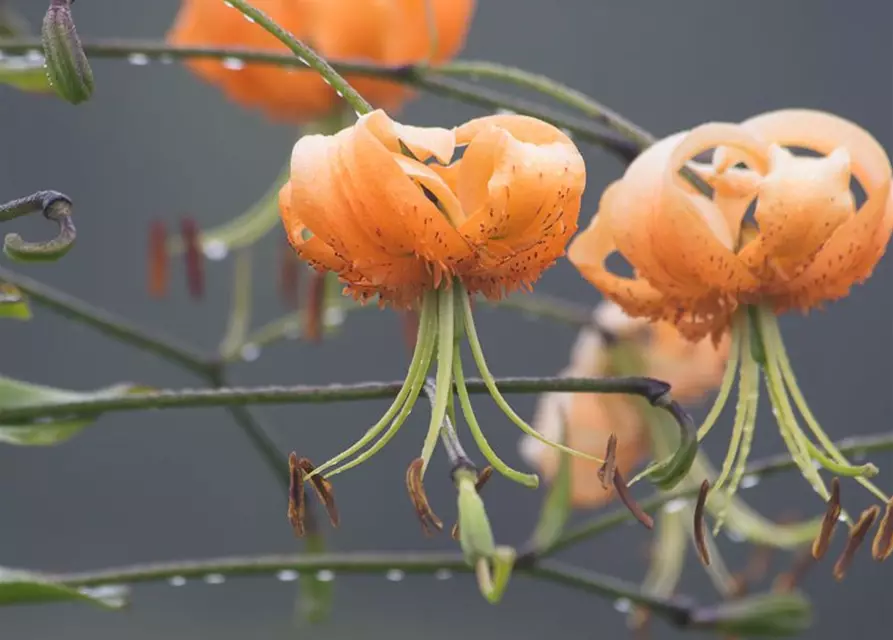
{"x":788,"y":581}
{"x":630,"y":503}
{"x":195,"y":272}
{"x":290,"y":269}
{"x":857,"y":535}
{"x":301,"y":469}
{"x":699,"y":534}
{"x":829,"y":522}
{"x":882,"y":546}
{"x":608,"y":469}
{"x":428,"y":519}
{"x":159,"y":273}
{"x":314,"y":310}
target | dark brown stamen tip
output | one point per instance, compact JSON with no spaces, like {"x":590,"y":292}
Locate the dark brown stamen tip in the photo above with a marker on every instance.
{"x":300,"y":469}
{"x":882,"y":546}
{"x":428,"y":519}
{"x":829,"y":522}
{"x":788,"y":581}
{"x":609,"y":466}
{"x":195,"y":268}
{"x":410,"y":322}
{"x":315,"y":308}
{"x":629,"y":502}
{"x":483,"y":477}
{"x":857,"y":534}
{"x":699,"y":533}
{"x":289,"y":277}
{"x":159,"y":273}
{"x":640,"y":623}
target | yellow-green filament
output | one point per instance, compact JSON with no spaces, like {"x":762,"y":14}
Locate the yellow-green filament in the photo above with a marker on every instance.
{"x":481,"y":362}
{"x":728,"y":377}
{"x":417,"y":370}
{"x":446,"y":333}
{"x":527,"y":479}
{"x":837,"y":463}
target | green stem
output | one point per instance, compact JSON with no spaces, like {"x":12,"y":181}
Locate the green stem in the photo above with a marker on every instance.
{"x":446,"y":335}
{"x":728,"y":378}
{"x":240,"y":314}
{"x":109,"y":323}
{"x":306,"y":55}
{"x":676,"y":610}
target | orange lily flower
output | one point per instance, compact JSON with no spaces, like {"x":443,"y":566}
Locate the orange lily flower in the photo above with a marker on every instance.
{"x":588,"y":420}
{"x":382,"y":205}
{"x":387,"y":208}
{"x":390,"y":32}
{"x":700,"y":266}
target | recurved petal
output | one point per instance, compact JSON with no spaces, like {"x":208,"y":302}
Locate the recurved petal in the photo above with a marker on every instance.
{"x":423,"y":142}
{"x":522,"y":128}
{"x":854,"y":248}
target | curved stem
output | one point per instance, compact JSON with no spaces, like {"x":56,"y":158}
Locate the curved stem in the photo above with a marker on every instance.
{"x":446,"y":333}
{"x":421,"y":356}
{"x":306,"y":55}
{"x":240,"y":313}
{"x":728,"y":377}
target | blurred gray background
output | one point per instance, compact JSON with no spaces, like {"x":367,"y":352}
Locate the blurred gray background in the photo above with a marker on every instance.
{"x":156,"y":142}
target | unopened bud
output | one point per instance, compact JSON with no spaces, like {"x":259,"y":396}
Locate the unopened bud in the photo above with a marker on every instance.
{"x":773,"y":615}
{"x":67,"y":66}
{"x":475,"y":535}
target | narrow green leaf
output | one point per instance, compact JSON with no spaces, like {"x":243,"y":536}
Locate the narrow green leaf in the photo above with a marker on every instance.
{"x":27,"y":587}
{"x":15,"y":394}
{"x":13,"y":304}
{"x":25,"y":74}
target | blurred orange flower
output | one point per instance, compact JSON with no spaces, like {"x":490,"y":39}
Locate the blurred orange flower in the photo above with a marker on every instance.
{"x":387,"y":32}
{"x":691,"y":368}
{"x":694,"y":260}
{"x":385,"y":206}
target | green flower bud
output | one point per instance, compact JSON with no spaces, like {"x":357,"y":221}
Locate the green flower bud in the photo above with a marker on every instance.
{"x":67,"y":66}
{"x":475,"y":535}
{"x":770,"y":615}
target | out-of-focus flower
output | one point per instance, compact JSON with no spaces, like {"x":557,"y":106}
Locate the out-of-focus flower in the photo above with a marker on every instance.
{"x":588,"y":420}
{"x":387,"y":32}
{"x":702,"y":267}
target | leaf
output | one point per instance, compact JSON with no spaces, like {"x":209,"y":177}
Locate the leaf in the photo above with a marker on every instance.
{"x":13,"y":304}
{"x":27,"y":587}
{"x":25,"y":73}
{"x":556,"y":507}
{"x":15,"y":394}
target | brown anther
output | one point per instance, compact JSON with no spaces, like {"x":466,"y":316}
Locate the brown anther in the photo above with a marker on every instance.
{"x":699,"y":533}
{"x":857,"y":534}
{"x":738,"y":586}
{"x":882,"y":546}
{"x":428,"y":519}
{"x":629,"y":502}
{"x":788,"y":581}
{"x":483,"y":476}
{"x":195,"y":268}
{"x":314,"y":310}
{"x":410,"y":322}
{"x":159,"y":272}
{"x":300,"y":469}
{"x":609,"y":466}
{"x":829,"y":522}
{"x":289,"y":277}
{"x":640,"y":623}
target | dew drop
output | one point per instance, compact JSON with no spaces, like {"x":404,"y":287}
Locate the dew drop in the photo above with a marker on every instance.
{"x":215,"y":578}
{"x":568,"y":133}
{"x":326,"y":80}
{"x":303,"y":61}
{"x":248,"y":18}
{"x":859,"y":455}
{"x":234,"y":64}
{"x":177,"y":581}
{"x":292,"y":331}
{"x":138,"y":59}
{"x":505,"y":112}
{"x":395,"y":575}
{"x":215,"y":249}
{"x":748,"y":482}
{"x":228,"y":4}
{"x":325,"y":575}
{"x":250,"y":352}
{"x":734,"y":536}
{"x":443,"y":574}
{"x":841,"y":518}
{"x":675,"y":506}
{"x":34,"y":56}
{"x":104,"y":592}
{"x":166,"y":58}
{"x":623,"y":605}
{"x":287,"y":575}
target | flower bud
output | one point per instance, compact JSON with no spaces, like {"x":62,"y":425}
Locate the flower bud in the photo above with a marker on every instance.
{"x":766,"y":615}
{"x":475,"y":535}
{"x":67,"y":66}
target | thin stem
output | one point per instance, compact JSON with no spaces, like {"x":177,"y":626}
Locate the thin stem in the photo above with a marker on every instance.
{"x":305,"y":394}
{"x":109,"y":323}
{"x":728,"y":378}
{"x":446,"y":337}
{"x":240,"y":314}
{"x":305,"y":54}
{"x":676,"y":610}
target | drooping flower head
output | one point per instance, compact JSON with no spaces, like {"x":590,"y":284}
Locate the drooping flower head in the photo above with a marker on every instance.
{"x":387,"y":32}
{"x":700,"y":265}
